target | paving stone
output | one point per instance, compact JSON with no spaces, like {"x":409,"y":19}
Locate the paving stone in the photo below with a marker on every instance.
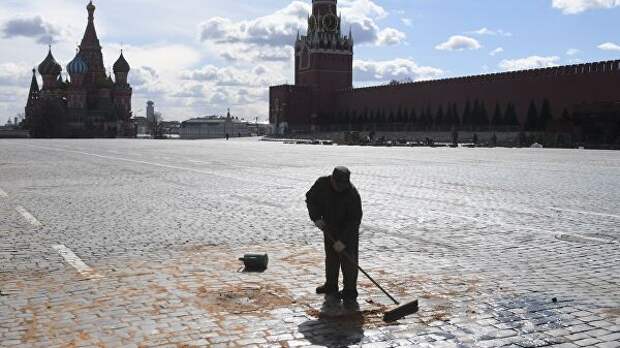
{"x":614,"y":344}
{"x":484,"y":238}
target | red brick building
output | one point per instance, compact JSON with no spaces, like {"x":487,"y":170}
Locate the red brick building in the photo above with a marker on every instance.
{"x":533,"y":100}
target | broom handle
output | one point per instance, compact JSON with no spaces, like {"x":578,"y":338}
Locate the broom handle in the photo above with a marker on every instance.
{"x":350,"y":259}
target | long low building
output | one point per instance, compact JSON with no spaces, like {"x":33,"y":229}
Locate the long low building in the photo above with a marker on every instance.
{"x":213,"y":127}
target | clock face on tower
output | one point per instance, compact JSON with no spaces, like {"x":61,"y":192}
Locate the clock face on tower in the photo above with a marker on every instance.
{"x":312,"y":24}
{"x":330,"y":22}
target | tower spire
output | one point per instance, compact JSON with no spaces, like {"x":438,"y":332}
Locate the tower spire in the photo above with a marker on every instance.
{"x":90,"y":38}
{"x":90,"y":49}
{"x":91,"y":10}
{"x":33,"y":95}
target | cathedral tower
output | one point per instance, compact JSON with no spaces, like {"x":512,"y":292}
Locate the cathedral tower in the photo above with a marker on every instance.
{"x":50,"y":71}
{"x":91,"y":105}
{"x":33,"y":94}
{"x":77,"y":69}
{"x":122,"y":91}
{"x":324,"y":57}
{"x":90,"y":50}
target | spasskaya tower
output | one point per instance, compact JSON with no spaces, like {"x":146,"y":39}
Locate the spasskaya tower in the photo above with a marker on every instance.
{"x":323,"y":65}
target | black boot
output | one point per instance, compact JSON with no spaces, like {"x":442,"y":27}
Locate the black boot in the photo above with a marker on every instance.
{"x":323,"y":289}
{"x":349,"y":294}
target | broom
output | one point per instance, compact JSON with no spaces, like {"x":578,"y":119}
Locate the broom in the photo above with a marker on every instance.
{"x":395,"y":314}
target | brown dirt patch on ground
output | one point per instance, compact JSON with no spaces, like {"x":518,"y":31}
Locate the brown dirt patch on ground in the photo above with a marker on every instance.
{"x":243,"y":299}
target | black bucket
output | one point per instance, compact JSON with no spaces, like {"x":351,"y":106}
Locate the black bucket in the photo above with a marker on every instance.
{"x":255,"y":262}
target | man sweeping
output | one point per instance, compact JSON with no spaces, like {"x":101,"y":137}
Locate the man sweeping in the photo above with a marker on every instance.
{"x":336,"y":208}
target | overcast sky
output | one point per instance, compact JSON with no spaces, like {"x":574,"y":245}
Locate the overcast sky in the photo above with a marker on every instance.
{"x":199,"y":57}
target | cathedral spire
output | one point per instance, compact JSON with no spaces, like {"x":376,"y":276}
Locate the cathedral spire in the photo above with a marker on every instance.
{"x":90,"y":39}
{"x":33,"y":95}
{"x":90,"y":49}
{"x":91,"y":10}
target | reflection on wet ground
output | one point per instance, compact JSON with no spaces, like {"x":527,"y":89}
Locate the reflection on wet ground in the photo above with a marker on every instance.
{"x":337,"y":325}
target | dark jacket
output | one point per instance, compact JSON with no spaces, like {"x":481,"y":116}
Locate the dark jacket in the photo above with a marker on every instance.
{"x":341,"y":211}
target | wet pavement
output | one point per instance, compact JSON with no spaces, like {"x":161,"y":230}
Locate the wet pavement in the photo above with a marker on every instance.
{"x":135,"y":243}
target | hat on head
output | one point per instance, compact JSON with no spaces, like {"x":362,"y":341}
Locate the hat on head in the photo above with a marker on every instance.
{"x":341,"y":176}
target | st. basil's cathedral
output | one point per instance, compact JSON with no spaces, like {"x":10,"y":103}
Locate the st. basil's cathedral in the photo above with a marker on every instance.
{"x":90,"y":104}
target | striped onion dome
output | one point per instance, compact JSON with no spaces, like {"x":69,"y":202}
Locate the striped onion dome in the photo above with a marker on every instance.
{"x":77,"y":66}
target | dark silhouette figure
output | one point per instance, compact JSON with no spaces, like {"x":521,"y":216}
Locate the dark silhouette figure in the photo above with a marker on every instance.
{"x":335,"y":207}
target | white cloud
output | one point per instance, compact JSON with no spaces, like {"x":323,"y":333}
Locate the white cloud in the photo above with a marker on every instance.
{"x":235,"y":53}
{"x":609,"y":46}
{"x":280,"y":28}
{"x":390,"y":36}
{"x":459,"y":43}
{"x":532,"y":62}
{"x":361,"y":8}
{"x":362,"y":16}
{"x":572,"y":51}
{"x":230,"y":76}
{"x":487,"y":31}
{"x":276,"y":29}
{"x":578,"y":6}
{"x":407,"y":22}
{"x":12,"y":74}
{"x":497,"y":51}
{"x":396,"y":69}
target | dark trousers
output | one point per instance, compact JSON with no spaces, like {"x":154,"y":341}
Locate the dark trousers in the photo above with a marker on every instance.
{"x":334,"y":262}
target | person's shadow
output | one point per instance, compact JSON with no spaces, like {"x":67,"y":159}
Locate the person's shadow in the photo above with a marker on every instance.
{"x":334,"y":327}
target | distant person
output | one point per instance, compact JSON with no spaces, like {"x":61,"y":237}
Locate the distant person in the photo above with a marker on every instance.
{"x":227,"y":136}
{"x":336,"y":208}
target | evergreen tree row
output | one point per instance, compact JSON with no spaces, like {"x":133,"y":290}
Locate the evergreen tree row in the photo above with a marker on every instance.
{"x":475,"y":116}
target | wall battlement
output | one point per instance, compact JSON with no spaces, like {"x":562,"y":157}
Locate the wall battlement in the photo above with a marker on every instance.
{"x":611,"y":66}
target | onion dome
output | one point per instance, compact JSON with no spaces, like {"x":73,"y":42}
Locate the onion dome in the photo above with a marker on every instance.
{"x":50,"y":66}
{"x":77,"y":66}
{"x":121,"y":65}
{"x":90,"y":7}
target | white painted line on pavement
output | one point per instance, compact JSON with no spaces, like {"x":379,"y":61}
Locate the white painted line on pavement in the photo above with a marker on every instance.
{"x":76,"y":262}
{"x":585,"y":212}
{"x":3,"y":194}
{"x":530,"y":229}
{"x":33,"y":221}
{"x":202,"y":162}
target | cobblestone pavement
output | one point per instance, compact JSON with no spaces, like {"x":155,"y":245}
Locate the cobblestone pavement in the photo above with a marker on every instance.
{"x":134,"y":243}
